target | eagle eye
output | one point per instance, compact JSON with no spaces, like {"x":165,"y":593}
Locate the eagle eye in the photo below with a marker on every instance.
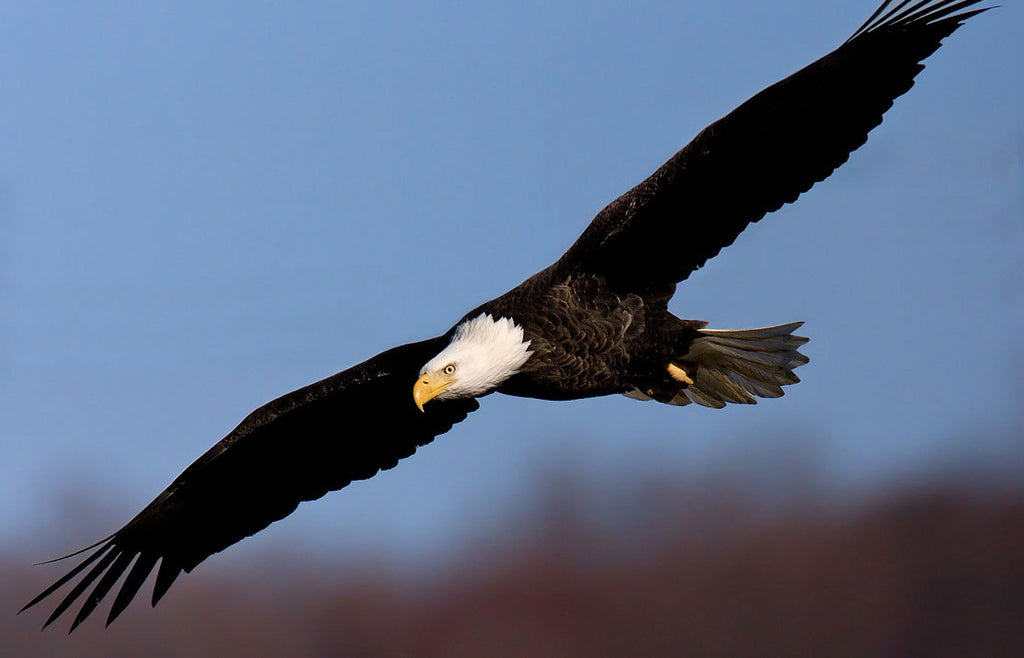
{"x":449,"y":369}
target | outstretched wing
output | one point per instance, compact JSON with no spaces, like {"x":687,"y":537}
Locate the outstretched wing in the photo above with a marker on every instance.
{"x":296,"y":448}
{"x":763,"y":154}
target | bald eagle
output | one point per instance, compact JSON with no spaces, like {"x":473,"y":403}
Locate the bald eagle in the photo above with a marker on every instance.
{"x":594,"y":323}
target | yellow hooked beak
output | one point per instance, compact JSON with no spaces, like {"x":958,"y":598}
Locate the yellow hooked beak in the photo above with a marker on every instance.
{"x":429,"y":387}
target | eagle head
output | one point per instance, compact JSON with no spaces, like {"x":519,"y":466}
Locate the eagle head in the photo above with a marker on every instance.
{"x":482,"y":354}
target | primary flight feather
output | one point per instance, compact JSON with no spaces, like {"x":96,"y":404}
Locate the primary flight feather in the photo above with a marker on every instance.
{"x":596,"y":322}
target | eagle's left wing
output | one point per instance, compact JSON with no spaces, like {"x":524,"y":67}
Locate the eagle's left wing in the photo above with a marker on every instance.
{"x":296,"y":448}
{"x":763,"y":154}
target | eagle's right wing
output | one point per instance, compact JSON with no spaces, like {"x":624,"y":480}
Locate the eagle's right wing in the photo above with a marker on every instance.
{"x":296,"y":448}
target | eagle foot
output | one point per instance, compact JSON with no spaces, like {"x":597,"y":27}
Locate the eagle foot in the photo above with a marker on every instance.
{"x":680,"y":375}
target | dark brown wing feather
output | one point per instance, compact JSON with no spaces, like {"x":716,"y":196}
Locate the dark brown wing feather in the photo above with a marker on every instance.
{"x":762,"y":155}
{"x":296,"y":448}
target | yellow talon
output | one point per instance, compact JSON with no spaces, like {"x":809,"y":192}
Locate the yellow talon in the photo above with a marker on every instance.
{"x":678,"y":374}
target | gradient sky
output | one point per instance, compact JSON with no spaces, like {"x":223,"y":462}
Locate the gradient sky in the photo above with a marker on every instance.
{"x":202,"y":208}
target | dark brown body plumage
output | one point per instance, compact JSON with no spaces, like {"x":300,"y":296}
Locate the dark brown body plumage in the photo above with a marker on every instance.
{"x":590,"y":340}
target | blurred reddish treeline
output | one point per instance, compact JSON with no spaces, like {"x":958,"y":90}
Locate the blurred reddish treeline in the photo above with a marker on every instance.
{"x":926,"y":573}
{"x":707,"y":571}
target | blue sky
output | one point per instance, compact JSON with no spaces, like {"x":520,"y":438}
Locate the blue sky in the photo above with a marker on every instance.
{"x":202,"y":208}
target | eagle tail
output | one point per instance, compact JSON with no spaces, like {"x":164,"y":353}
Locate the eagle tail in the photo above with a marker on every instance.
{"x":737,"y":365}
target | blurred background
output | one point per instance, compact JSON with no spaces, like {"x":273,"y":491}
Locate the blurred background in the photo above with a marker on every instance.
{"x":202,"y":208}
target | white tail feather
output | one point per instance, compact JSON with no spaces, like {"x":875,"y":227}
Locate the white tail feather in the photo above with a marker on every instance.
{"x":735,"y":365}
